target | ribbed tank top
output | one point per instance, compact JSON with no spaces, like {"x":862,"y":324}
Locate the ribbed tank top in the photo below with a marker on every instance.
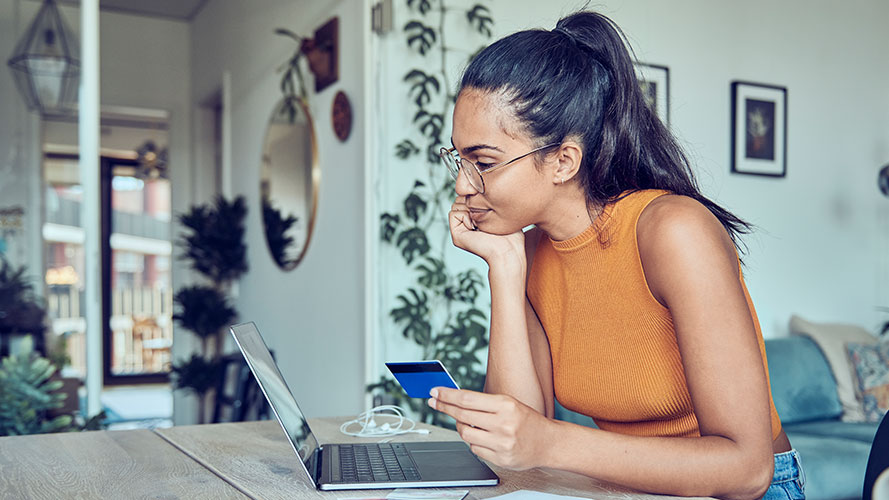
{"x":614,"y":349}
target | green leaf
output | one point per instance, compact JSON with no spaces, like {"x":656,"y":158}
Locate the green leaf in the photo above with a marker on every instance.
{"x":467,"y":287}
{"x":405,"y":149}
{"x":480,"y":17}
{"x":421,"y":84}
{"x":432,"y":273}
{"x":420,"y":35}
{"x":414,"y":314}
{"x":214,"y":238}
{"x":203,"y":310}
{"x":423,"y":5}
{"x":412,"y":242}
{"x":430,"y":124}
{"x":388,"y":226}
{"x":414,"y":206}
{"x":196,"y":374}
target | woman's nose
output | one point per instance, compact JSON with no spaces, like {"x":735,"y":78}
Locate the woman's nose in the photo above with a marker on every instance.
{"x":464,"y":187}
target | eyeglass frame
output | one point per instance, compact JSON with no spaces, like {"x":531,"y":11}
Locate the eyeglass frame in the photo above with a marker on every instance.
{"x":459,"y":161}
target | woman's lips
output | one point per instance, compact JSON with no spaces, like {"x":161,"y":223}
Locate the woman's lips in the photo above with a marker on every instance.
{"x":478,"y":213}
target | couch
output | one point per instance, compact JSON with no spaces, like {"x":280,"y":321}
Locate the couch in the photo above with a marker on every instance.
{"x":833,"y":453}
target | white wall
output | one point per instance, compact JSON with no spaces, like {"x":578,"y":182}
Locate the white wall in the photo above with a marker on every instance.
{"x":821,"y":249}
{"x":313,"y":316}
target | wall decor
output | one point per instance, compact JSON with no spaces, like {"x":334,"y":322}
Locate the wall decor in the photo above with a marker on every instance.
{"x":759,"y":129}
{"x":654,"y":80}
{"x":342,"y":116}
{"x":322,"y":52}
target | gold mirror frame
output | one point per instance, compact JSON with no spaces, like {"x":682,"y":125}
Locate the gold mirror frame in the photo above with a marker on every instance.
{"x":264,"y":183}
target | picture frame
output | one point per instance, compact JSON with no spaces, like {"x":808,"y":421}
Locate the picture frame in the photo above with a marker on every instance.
{"x":654,"y":80}
{"x":758,"y":129}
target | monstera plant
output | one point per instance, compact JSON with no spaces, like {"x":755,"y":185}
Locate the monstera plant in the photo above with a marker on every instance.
{"x":439,"y":311}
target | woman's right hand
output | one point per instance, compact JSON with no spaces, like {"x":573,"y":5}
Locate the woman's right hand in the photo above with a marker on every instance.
{"x":495,"y":249}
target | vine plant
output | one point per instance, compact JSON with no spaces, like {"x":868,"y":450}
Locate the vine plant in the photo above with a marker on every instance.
{"x":439,"y":311}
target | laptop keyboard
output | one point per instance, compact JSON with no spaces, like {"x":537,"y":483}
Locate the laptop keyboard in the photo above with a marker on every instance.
{"x":374,"y":463}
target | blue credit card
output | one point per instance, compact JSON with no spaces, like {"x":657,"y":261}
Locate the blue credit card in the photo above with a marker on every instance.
{"x":417,"y":378}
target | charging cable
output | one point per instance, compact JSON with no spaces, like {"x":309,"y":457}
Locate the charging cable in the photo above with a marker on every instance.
{"x":399,"y":423}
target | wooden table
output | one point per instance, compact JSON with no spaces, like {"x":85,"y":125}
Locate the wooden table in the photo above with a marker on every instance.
{"x":238,"y":460}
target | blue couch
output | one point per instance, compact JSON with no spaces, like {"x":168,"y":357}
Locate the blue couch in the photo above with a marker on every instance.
{"x":833,"y":453}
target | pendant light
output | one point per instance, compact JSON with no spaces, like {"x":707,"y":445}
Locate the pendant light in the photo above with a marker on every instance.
{"x":46,"y":64}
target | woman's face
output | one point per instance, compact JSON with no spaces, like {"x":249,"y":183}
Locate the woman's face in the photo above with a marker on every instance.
{"x":487,"y":134}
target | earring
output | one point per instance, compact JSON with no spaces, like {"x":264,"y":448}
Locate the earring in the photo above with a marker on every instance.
{"x":563,"y":180}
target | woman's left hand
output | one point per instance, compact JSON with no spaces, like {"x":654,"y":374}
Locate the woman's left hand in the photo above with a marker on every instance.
{"x":497,"y":427}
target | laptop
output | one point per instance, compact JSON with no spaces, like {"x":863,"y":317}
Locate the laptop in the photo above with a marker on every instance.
{"x":358,"y":466}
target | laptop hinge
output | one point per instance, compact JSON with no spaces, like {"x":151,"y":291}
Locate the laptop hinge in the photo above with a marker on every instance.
{"x":319,"y":465}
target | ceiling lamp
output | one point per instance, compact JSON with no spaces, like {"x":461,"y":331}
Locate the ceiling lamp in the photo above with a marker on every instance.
{"x":45,"y":63}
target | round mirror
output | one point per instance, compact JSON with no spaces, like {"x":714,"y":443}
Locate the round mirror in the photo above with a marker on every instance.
{"x":289,"y":182}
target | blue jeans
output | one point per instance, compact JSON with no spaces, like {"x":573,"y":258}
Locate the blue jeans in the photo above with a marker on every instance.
{"x":789,"y":481}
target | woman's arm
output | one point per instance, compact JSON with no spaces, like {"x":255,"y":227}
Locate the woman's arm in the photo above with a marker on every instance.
{"x":515,"y":355}
{"x":691,"y":268}
{"x":519,"y":362}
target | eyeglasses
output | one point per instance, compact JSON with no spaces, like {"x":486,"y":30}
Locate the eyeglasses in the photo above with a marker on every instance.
{"x":474,"y":174}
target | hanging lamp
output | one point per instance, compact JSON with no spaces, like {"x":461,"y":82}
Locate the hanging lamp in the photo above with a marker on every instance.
{"x":46,"y":64}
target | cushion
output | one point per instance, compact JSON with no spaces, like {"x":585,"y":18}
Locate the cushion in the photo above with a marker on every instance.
{"x":858,"y":431}
{"x":870,"y":364}
{"x":803,"y":387}
{"x":832,"y":339}
{"x":834,"y":467}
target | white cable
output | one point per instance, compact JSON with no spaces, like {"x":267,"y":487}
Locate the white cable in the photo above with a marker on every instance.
{"x":400,"y":423}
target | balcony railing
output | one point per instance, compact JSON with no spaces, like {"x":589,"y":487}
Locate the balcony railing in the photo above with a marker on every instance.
{"x":141,"y":328}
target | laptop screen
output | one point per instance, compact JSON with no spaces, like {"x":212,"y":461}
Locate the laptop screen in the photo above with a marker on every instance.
{"x":276,"y":391}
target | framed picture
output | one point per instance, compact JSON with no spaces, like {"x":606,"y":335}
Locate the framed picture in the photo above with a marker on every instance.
{"x":655,"y":83}
{"x":759,"y":129}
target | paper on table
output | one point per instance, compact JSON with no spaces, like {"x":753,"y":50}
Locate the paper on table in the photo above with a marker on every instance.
{"x":533,"y":495}
{"x":426,"y":494}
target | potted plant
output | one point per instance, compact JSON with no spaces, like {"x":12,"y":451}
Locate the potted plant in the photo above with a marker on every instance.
{"x":22,"y":313}
{"x":213,"y":243}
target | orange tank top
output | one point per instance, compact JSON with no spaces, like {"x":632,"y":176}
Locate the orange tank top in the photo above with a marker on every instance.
{"x":614,"y":349}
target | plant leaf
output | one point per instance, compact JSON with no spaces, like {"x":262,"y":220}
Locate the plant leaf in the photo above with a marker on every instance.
{"x":412,"y":242}
{"x":421,"y":83}
{"x":420,"y":35}
{"x":413,"y":313}
{"x":480,"y":17}
{"x":423,"y":5}
{"x":405,"y":149}
{"x":414,"y":206}
{"x":388,"y":226}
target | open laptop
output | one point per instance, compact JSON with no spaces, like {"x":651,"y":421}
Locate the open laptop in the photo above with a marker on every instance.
{"x":364,"y":465}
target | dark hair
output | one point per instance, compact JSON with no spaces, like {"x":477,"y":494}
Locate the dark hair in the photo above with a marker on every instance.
{"x":578,"y":81}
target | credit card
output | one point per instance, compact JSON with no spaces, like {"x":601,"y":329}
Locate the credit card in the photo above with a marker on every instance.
{"x":417,"y":378}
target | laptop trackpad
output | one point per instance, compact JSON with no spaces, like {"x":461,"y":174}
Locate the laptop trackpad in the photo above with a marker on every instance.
{"x":448,"y":462}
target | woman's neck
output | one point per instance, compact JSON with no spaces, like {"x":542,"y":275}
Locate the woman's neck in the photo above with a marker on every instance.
{"x":568,"y":216}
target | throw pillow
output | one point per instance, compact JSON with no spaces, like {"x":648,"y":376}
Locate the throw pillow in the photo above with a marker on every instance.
{"x":832,"y":340}
{"x":871,"y":367}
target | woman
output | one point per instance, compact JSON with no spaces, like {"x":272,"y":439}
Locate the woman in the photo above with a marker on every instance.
{"x":625,"y":301}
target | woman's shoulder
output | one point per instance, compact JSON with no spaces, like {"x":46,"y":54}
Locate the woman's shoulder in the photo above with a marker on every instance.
{"x":675,"y":223}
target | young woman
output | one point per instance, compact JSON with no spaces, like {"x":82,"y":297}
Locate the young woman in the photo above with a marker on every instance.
{"x":625,"y":302}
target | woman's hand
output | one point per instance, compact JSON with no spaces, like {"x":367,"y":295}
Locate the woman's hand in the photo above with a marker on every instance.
{"x":490,"y":247}
{"x":498,"y":428}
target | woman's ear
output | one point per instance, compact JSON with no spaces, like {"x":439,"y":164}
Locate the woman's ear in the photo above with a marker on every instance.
{"x":569,"y":157}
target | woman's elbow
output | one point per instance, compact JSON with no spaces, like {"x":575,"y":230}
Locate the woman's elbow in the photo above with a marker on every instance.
{"x":755,"y":479}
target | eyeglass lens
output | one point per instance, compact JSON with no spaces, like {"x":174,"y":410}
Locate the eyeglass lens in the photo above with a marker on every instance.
{"x":454,"y":167}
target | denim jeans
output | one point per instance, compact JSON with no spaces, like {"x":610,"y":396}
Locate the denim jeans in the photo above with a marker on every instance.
{"x":789,"y":481}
